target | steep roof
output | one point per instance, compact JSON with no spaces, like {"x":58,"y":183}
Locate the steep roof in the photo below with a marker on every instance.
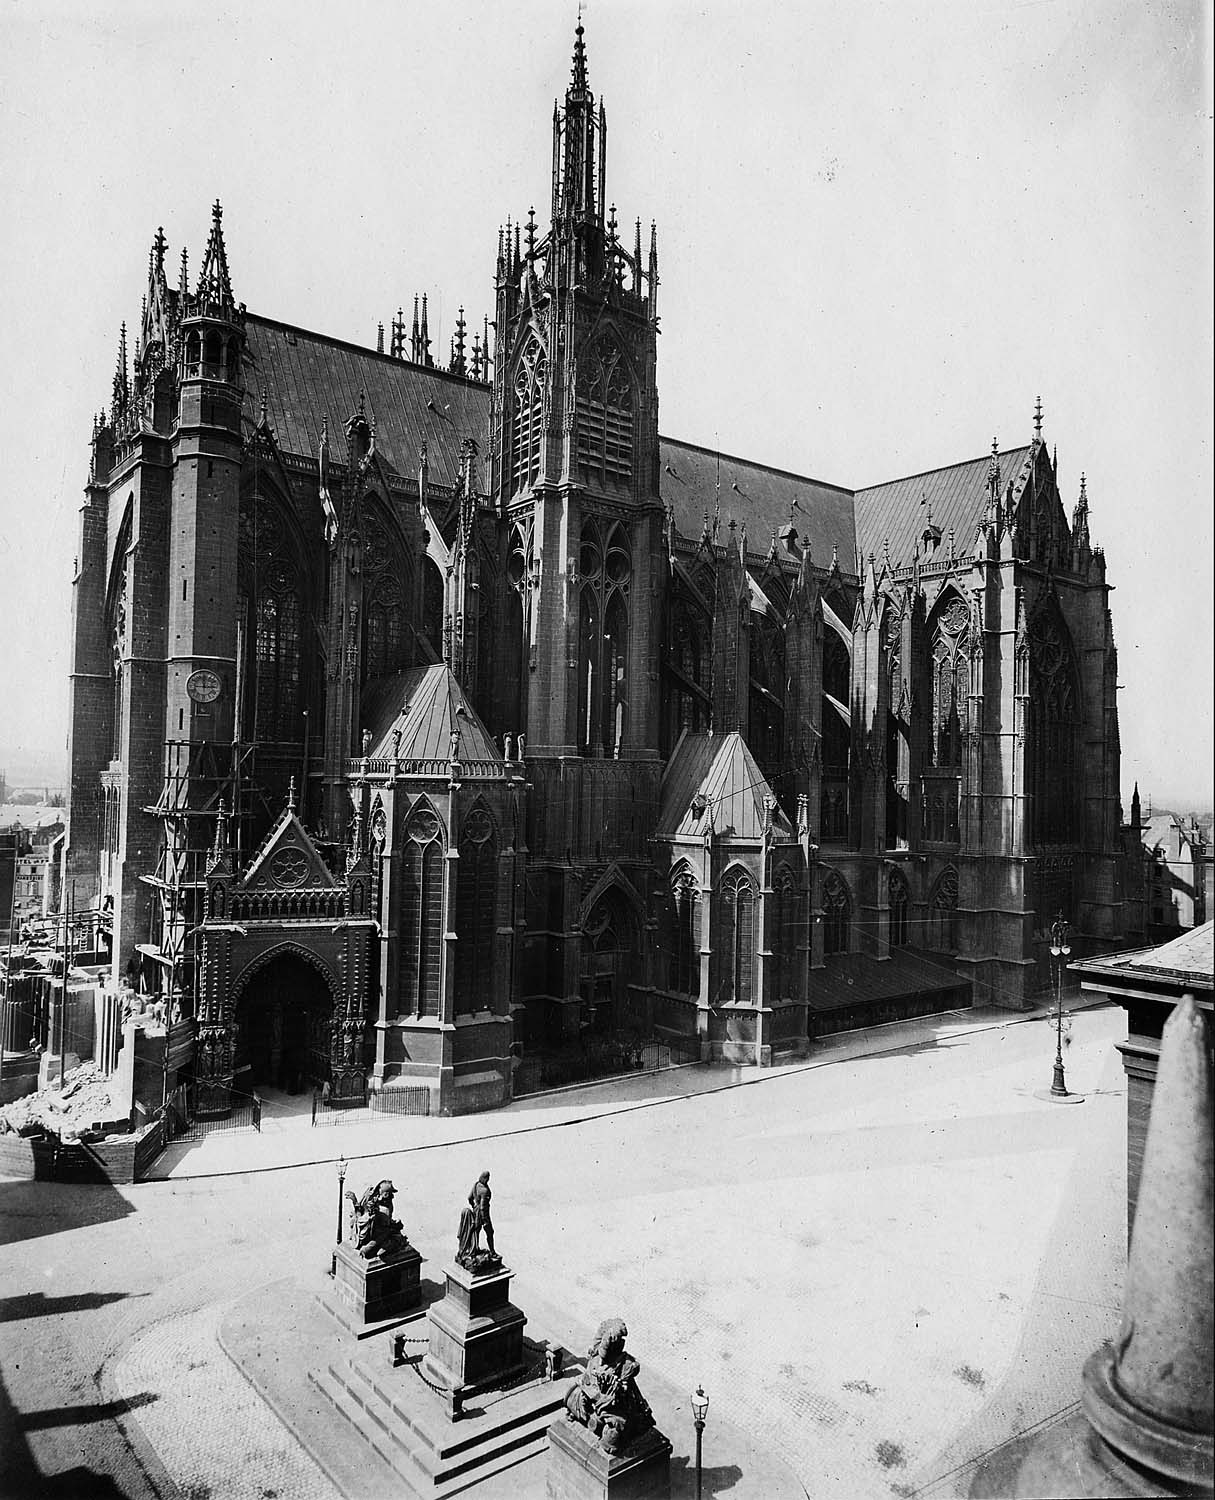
{"x":425,"y":704}
{"x":692,"y":479}
{"x":310,"y":379}
{"x":719,"y":772}
{"x":957,"y":495}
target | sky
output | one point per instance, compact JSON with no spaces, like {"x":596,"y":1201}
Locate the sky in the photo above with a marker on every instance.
{"x":884,"y":230}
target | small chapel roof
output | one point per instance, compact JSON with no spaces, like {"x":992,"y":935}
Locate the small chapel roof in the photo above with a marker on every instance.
{"x":898,"y":510}
{"x":426,"y":704}
{"x":693,"y":480}
{"x":713,"y":779}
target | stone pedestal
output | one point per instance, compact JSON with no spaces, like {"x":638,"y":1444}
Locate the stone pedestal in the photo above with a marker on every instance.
{"x":367,"y":1294}
{"x":578,"y":1469}
{"x":476,"y":1332}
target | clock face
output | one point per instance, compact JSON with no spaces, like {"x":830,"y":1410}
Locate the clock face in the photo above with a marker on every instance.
{"x":204,"y":686}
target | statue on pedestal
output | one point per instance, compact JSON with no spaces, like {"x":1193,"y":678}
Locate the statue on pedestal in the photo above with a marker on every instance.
{"x":376,"y":1232}
{"x":473,"y":1219}
{"x":606,"y":1399}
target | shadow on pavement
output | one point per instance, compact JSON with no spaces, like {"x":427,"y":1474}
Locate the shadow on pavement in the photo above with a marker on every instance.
{"x":39,"y":1305}
{"x":98,"y":1411}
{"x":29,"y":1210}
{"x":718,"y":1480}
{"x":20,"y":1475}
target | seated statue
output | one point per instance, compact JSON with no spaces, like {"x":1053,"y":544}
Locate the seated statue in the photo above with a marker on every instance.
{"x":606,"y":1399}
{"x":376,"y":1232}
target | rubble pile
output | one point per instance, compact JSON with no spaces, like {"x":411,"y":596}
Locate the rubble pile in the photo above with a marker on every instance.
{"x":81,"y":1105}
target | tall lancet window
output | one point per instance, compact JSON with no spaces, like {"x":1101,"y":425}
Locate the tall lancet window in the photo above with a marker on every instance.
{"x":605,"y":572}
{"x":476,"y":911}
{"x":278,"y":653}
{"x":684,"y":955}
{"x":1053,"y":749}
{"x":786,"y":932}
{"x":421,"y":913}
{"x":527,"y":415}
{"x":383,"y":613}
{"x":605,"y":417}
{"x":950,"y":685}
{"x":737,"y":946}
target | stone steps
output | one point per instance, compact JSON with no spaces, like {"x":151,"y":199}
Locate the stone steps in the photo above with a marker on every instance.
{"x":406,"y":1423}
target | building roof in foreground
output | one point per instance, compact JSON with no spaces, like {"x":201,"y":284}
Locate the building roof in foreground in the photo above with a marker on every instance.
{"x":898,"y":511}
{"x":1186,"y":962}
{"x":713,"y":780}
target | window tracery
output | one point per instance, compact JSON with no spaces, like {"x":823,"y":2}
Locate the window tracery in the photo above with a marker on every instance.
{"x":528,"y":416}
{"x":837,"y":913}
{"x":942,"y":912}
{"x":476,"y":910}
{"x":1054,"y":733}
{"x":684,"y":958}
{"x":737,"y":937}
{"x":421,"y":913}
{"x":605,"y":416}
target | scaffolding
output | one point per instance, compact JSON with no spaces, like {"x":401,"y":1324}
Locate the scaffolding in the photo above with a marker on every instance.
{"x":203,"y":783}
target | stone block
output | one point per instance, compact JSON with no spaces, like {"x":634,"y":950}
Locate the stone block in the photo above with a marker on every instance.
{"x":369,"y":1292}
{"x":578,"y":1469}
{"x":476,"y":1332}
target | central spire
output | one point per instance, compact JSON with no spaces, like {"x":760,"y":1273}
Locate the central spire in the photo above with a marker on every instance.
{"x":579,"y":85}
{"x":579,"y":148}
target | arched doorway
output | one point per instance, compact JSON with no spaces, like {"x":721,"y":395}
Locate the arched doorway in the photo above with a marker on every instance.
{"x":283,"y":1019}
{"x":609,"y":947}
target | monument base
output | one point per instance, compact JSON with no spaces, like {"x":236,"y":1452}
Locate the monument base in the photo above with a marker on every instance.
{"x":369,"y":1295}
{"x":476,"y":1332}
{"x":578,"y":1469}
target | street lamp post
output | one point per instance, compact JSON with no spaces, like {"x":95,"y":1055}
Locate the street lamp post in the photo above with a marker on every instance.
{"x":1060,"y":952}
{"x":700,"y":1405}
{"x":341,"y":1186}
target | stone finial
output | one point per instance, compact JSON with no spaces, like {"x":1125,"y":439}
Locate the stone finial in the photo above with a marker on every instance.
{"x":1038,"y":420}
{"x":1150,"y":1395}
{"x":291,"y":795}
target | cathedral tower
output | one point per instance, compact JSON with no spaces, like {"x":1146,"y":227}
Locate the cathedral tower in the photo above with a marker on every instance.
{"x":574,"y":474}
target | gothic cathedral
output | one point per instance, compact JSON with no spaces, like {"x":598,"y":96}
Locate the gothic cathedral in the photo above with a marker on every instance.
{"x":431,"y":718}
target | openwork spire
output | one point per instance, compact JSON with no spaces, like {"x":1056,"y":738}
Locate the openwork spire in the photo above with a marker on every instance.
{"x":579,"y":83}
{"x":214,"y":282}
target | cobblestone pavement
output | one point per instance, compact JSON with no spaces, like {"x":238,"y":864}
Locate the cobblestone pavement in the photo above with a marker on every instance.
{"x":880,"y":1269}
{"x":182,"y":1362}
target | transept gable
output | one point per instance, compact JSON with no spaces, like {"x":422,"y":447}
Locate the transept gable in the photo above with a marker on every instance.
{"x":288,"y":860}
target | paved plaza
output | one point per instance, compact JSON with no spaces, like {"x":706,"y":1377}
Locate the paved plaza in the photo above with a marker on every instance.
{"x":881,"y":1265}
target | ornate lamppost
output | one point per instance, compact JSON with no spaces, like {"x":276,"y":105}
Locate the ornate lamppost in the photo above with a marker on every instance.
{"x":700,"y":1405}
{"x":341,"y":1166}
{"x":1060,"y":952}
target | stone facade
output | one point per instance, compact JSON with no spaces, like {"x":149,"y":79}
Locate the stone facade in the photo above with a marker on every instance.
{"x":499,"y":630}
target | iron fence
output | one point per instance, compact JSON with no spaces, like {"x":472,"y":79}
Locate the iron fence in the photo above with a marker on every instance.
{"x":379,"y":1104}
{"x":181,"y":1121}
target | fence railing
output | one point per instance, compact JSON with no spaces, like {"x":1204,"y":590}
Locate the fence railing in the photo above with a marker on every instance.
{"x":182,"y":1124}
{"x":380,"y":1104}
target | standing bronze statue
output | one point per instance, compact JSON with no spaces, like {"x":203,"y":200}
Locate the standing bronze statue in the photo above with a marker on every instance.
{"x":473,"y":1219}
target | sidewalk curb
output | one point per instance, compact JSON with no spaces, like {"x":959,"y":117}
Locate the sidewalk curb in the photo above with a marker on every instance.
{"x":841,"y":1052}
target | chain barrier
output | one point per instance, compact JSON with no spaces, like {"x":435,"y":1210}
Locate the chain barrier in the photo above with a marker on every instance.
{"x":439,"y":1390}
